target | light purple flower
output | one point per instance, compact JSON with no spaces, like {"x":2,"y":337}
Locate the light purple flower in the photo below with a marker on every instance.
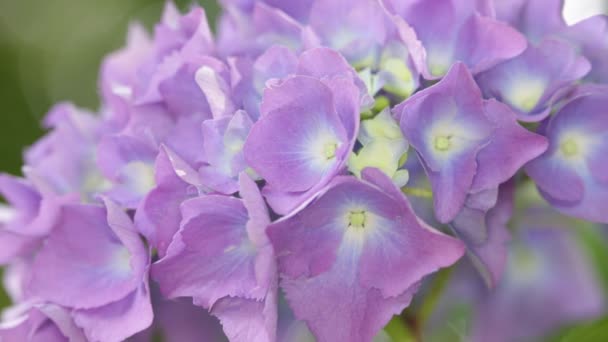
{"x":129,"y":164}
{"x":482,"y":226}
{"x":275,"y":63}
{"x":465,"y":33}
{"x":63,"y":161}
{"x":588,"y":36}
{"x":152,"y":70}
{"x":26,"y":220}
{"x":545,"y":267}
{"x":221,"y":258}
{"x":158,"y":215}
{"x":308,"y":127}
{"x":242,"y":33}
{"x":177,"y":40}
{"x":296,"y":9}
{"x":95,"y":264}
{"x":466,"y":145}
{"x":180,"y":320}
{"x":166,"y":171}
{"x":357,"y":29}
{"x":354,"y":257}
{"x":39,"y":323}
{"x":533,"y":81}
{"x":224,"y":140}
{"x":118,"y":74}
{"x":365,"y":35}
{"x":572,"y":173}
{"x":536,"y":19}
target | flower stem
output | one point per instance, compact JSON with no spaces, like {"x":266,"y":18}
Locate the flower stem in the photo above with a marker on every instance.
{"x":434,"y":294}
{"x":417,"y":192}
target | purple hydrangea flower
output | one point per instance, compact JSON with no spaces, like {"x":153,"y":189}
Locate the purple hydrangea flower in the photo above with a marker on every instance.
{"x":158,"y":216}
{"x":296,"y":9}
{"x":482,"y":226}
{"x":242,"y":33}
{"x":572,"y":173}
{"x":275,"y":63}
{"x":467,"y":145}
{"x":99,"y":273}
{"x":366,"y":36}
{"x":179,"y":320}
{"x":318,"y":102}
{"x":357,"y":29}
{"x":26,"y":221}
{"x":355,"y":256}
{"x":219,"y":234}
{"x":466,"y":33}
{"x":308,"y":127}
{"x":224,"y":140}
{"x":178,"y":40}
{"x":63,"y":162}
{"x":545,"y":266}
{"x":152,"y":70}
{"x":40,"y":323}
{"x":532,"y":82}
{"x":129,"y":164}
{"x":118,"y":74}
{"x":536,"y":19}
{"x":588,"y":36}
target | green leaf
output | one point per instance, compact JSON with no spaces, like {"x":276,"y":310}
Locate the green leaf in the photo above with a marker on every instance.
{"x":399,"y":331}
{"x":4,"y":300}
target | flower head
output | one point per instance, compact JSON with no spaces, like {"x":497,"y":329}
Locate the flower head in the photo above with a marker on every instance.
{"x":357,"y":248}
{"x":571,"y":174}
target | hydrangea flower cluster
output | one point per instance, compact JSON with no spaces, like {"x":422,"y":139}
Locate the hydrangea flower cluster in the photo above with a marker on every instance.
{"x":302,"y":173}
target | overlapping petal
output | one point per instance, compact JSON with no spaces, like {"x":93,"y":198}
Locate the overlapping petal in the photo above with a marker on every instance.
{"x":570,"y":174}
{"x":366,"y":255}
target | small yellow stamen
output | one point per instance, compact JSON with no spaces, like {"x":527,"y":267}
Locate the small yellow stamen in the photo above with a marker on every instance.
{"x":357,"y":219}
{"x":442,"y":143}
{"x":569,"y":148}
{"x":329,"y":150}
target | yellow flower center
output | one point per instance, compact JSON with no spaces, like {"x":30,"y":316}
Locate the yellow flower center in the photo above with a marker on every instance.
{"x":569,"y":148}
{"x":357,"y":219}
{"x":329,"y":150}
{"x":442,"y":143}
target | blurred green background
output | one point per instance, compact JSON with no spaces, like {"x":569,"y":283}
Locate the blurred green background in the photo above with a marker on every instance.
{"x":50,"y":51}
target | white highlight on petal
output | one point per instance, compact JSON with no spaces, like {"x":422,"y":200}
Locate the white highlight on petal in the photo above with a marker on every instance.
{"x":524,"y":93}
{"x":122,"y":90}
{"x":229,"y":248}
{"x":321,"y":148}
{"x":94,"y":182}
{"x":120,"y":262}
{"x":7,"y":213}
{"x":140,"y":176}
{"x":449,"y":137}
{"x":13,"y":322}
{"x":439,"y":61}
{"x":213,"y":87}
{"x":574,"y":146}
